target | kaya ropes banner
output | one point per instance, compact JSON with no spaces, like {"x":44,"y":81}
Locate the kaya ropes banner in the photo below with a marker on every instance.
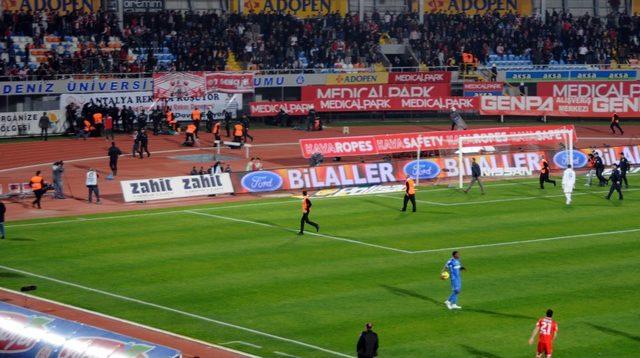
{"x":410,"y":142}
{"x":176,"y":187}
{"x":558,"y":106}
{"x":298,"y":8}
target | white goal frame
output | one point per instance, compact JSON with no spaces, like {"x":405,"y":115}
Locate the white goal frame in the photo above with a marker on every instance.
{"x":566,"y":133}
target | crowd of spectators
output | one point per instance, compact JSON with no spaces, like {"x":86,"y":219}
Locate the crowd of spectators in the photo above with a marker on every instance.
{"x":202,"y":41}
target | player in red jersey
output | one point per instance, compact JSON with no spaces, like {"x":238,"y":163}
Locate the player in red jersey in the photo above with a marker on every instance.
{"x":548,"y":329}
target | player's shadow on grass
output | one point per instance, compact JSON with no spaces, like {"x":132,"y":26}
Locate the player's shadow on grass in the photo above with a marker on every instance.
{"x":474,"y":352}
{"x":500,"y":314}
{"x":404,"y":292}
{"x":614,"y":332}
{"x":20,"y":239}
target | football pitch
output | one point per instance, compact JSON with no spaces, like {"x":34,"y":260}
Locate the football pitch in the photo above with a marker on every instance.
{"x":237,"y":274}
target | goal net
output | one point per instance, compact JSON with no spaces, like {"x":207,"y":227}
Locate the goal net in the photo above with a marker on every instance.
{"x":514,"y":154}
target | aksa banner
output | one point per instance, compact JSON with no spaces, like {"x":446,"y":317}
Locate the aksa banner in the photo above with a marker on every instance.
{"x":181,"y":107}
{"x":589,"y":89}
{"x":425,"y":141}
{"x":311,"y":93}
{"x":229,"y":82}
{"x":176,"y":187}
{"x":15,"y":124}
{"x":559,"y":106}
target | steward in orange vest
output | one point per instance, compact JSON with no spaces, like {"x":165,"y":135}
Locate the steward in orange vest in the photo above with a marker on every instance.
{"x":97,"y":121}
{"x":544,"y":173}
{"x":409,"y":194}
{"x":38,"y":186}
{"x":171,"y":121}
{"x":238,"y":132}
{"x":216,"y":133}
{"x":306,"y":209}
{"x":196,"y":116}
{"x":190,"y":134}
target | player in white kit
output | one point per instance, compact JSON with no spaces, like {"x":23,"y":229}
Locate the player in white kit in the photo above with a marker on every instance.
{"x":568,"y":182}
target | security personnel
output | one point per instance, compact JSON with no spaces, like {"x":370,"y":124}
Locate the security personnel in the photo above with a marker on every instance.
{"x":114,"y":153}
{"x":238,"y":132}
{"x":600,"y":169}
{"x":37,"y":185}
{"x":616,"y":182}
{"x":227,"y":122}
{"x":97,"y":121}
{"x":190,"y":133}
{"x":209,"y":124}
{"x":409,"y":194}
{"x":245,"y":123}
{"x":196,"y":116}
{"x":624,"y":168}
{"x":216,"y":133}
{"x":306,"y":209}
{"x":544,"y":173}
{"x":367,"y":346}
{"x":143,"y":139}
{"x":171,"y":120}
{"x":615,"y":123}
{"x":591,"y":165}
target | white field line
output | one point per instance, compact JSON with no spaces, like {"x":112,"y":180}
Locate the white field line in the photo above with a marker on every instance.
{"x":36,"y":298}
{"x":528,"y":241}
{"x":173,"y":310}
{"x":295,"y":231}
{"x":520,"y":198}
{"x":242,"y":343}
{"x":284,"y":354}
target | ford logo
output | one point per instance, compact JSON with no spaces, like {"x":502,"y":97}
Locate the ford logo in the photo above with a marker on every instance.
{"x":561,"y":159}
{"x":423,"y":169}
{"x":261,"y":181}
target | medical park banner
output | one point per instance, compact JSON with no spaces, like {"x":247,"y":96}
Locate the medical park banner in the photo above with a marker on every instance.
{"x":15,"y":124}
{"x":181,"y":107}
{"x":560,"y":106}
{"x":515,"y":164}
{"x":298,"y":8}
{"x":475,"y":7}
{"x":176,"y":187}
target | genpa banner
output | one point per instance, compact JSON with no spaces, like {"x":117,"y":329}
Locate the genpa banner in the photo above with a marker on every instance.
{"x":14,"y":124}
{"x":435,"y":140}
{"x":28,"y":333}
{"x":176,"y":187}
{"x":560,"y":106}
{"x":181,"y":107}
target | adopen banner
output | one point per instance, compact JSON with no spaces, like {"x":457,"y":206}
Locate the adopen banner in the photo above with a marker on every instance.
{"x":472,"y":89}
{"x":28,"y":333}
{"x":589,"y":89}
{"x":514,"y":164}
{"x":261,"y":109}
{"x":181,"y":107}
{"x":26,"y":123}
{"x":176,"y":187}
{"x":435,"y":140}
{"x":420,"y":77}
{"x":298,"y":8}
{"x":310,"y":93}
{"x":60,"y":7}
{"x":357,"y":78}
{"x":559,"y":106}
{"x":229,"y":82}
{"x":475,"y":7}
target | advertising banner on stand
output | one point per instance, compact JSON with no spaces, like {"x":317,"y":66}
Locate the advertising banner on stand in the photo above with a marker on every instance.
{"x":181,"y":107}
{"x":473,"y":89}
{"x":311,"y":93}
{"x":436,"y":140}
{"x":176,"y":187}
{"x":420,"y":77}
{"x":229,"y":82}
{"x":15,"y":124}
{"x":178,"y":85}
{"x":559,"y":106}
{"x":589,"y":89}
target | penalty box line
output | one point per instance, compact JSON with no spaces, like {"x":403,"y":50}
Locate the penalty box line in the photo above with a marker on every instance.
{"x":174,"y":310}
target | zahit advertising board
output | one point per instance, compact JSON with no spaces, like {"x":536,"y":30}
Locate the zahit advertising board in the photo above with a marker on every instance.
{"x":181,"y":107}
{"x":176,"y":187}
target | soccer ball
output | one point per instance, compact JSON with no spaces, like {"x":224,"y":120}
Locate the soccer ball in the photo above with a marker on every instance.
{"x":444,"y":275}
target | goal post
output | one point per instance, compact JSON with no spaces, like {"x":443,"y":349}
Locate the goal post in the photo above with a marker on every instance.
{"x":476,"y":145}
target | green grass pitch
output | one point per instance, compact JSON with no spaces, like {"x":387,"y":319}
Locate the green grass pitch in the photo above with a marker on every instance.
{"x":242,"y":264}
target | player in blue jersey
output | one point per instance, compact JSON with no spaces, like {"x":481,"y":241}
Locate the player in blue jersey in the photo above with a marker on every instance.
{"x":454,"y":266}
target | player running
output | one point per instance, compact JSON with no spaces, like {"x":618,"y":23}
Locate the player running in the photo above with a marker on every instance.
{"x":306,"y":209}
{"x":454,"y":266}
{"x":568,"y":182}
{"x":548,"y":331}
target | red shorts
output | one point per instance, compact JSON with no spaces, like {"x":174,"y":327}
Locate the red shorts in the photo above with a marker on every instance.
{"x":545,"y":347}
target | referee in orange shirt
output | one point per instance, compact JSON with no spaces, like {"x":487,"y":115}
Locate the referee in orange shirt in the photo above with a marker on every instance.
{"x":409,"y":194}
{"x":306,"y":209}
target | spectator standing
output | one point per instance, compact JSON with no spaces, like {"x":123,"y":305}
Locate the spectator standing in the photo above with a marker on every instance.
{"x":250,"y":165}
{"x":38,"y":186}
{"x":227,"y":169}
{"x":114,"y":153}
{"x":57,"y":174}
{"x":143,"y":140}
{"x":3,"y":210}
{"x":108,"y":127}
{"x":216,"y":168}
{"x":311,"y":117}
{"x":257,"y":164}
{"x":92,"y":185}
{"x":194,"y":171}
{"x":136,"y":144}
{"x":156,"y":118}
{"x":367,"y":346}
{"x":44,"y":125}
